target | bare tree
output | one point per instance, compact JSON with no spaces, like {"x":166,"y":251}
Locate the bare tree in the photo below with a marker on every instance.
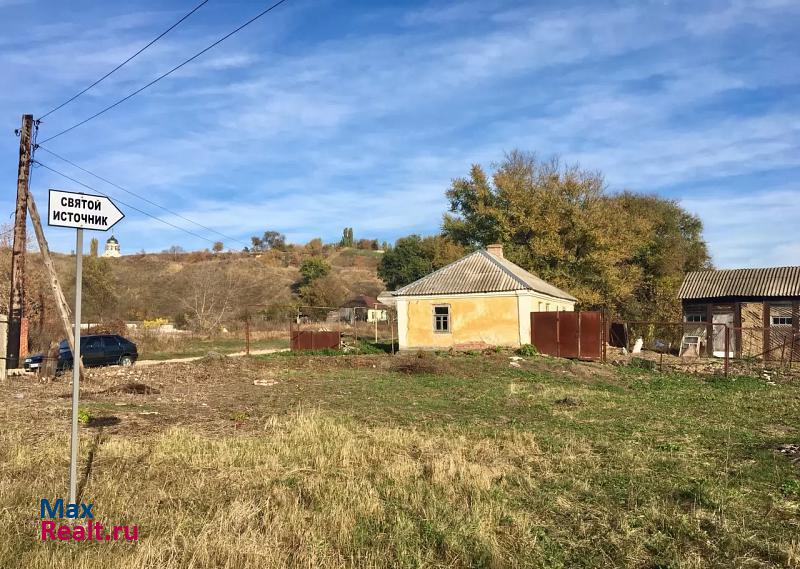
{"x":209,"y":298}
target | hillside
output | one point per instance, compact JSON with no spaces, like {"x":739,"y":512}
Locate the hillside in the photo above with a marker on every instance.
{"x":189,"y":289}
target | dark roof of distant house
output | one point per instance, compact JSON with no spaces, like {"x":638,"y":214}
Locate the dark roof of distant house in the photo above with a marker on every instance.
{"x":770,"y":282}
{"x":362,"y":300}
{"x":481,"y":272}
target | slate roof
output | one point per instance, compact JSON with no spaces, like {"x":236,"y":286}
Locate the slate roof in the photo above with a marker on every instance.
{"x":480,"y":272}
{"x":772,"y":282}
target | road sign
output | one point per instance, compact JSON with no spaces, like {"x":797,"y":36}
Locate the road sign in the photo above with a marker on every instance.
{"x":81,"y":211}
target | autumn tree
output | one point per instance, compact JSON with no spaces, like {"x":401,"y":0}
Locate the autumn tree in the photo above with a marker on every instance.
{"x":559,"y":222}
{"x":218,"y":247}
{"x":93,"y":246}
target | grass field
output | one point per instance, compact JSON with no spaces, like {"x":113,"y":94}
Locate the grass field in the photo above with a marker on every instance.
{"x":196,"y":347}
{"x":381,"y":461}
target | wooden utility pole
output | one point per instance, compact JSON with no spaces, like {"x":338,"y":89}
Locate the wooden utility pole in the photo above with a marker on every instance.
{"x":17,"y":299}
{"x":61,"y":301}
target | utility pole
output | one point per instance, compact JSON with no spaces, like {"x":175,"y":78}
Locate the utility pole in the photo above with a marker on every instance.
{"x":55,"y":284}
{"x":17,"y":299}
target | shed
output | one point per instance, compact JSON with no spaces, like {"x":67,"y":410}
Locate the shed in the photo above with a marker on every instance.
{"x":758,"y":306}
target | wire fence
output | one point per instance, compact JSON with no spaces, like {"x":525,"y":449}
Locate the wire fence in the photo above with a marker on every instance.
{"x":706,"y":347}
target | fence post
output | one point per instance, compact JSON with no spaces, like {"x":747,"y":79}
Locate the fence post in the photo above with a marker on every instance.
{"x":247,"y":333}
{"x":727,"y":348}
{"x":3,"y":338}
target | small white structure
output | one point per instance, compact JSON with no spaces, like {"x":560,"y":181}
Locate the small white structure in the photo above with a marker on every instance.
{"x":112,"y":248}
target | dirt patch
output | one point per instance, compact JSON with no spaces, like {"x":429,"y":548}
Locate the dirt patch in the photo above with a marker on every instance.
{"x":133,"y":388}
{"x":419,"y":364}
{"x":569,"y":402}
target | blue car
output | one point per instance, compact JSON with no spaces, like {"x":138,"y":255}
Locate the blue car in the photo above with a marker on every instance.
{"x":96,"y":350}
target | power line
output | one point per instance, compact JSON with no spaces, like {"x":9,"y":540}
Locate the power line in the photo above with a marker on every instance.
{"x":87,"y":186}
{"x":134,"y":194}
{"x":118,"y":67}
{"x":170,"y":72}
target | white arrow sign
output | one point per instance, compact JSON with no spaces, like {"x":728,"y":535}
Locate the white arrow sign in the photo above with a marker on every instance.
{"x":81,"y":211}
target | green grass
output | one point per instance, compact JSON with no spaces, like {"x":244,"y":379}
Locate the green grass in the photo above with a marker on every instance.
{"x":344,"y":462}
{"x":200,"y":347}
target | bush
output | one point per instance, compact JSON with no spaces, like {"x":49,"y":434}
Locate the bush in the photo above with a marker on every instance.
{"x":527,"y":350}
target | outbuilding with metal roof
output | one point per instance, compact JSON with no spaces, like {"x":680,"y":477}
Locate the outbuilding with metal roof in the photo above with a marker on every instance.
{"x":759,"y":308}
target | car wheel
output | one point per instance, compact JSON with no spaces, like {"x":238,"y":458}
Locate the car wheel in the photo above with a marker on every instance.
{"x":125,"y":361}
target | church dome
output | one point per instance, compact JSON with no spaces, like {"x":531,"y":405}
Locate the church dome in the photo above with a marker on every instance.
{"x":112,"y":239}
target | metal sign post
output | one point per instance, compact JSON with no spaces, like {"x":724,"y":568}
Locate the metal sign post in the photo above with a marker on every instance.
{"x":76,"y":368}
{"x":79,"y":211}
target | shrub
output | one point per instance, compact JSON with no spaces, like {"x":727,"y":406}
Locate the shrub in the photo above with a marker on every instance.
{"x":527,"y":350}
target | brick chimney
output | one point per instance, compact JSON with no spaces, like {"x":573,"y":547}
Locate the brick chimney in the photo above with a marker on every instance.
{"x":495,"y":249}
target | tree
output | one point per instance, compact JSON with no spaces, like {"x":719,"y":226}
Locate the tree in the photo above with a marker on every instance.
{"x":324,"y":291}
{"x":413,"y":257}
{"x":314,"y":246}
{"x":270,"y":240}
{"x":313,"y":268}
{"x":93,"y":246}
{"x":559,"y":223}
{"x":218,"y":247}
{"x":347,"y":237}
{"x":99,"y":289}
{"x":208,"y":296}
{"x":175,"y":250}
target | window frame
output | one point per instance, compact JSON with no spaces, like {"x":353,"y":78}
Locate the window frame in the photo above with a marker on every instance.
{"x":703,"y":318}
{"x":788,"y":321}
{"x":447,"y":319}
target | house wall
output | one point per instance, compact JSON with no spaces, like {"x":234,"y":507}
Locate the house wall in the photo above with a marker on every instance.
{"x":476,"y":320}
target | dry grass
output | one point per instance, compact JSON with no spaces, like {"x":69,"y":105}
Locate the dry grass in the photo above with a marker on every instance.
{"x":346,"y":463}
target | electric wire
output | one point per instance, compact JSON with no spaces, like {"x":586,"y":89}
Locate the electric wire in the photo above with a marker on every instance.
{"x":170,"y":72}
{"x":117,"y":200}
{"x":121,"y":65}
{"x":134,"y":194}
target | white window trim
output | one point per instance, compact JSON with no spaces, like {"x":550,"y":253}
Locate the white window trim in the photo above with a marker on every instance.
{"x":449,"y":319}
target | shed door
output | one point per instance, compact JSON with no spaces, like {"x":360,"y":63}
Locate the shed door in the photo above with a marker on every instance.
{"x":719,"y":334}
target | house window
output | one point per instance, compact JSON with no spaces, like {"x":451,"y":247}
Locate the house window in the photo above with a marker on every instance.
{"x":441,"y":318}
{"x":697,"y":317}
{"x":781,"y":320}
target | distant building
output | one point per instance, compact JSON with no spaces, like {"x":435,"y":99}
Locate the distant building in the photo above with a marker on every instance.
{"x":364,"y":308}
{"x":112,"y":248}
{"x":480,"y":300}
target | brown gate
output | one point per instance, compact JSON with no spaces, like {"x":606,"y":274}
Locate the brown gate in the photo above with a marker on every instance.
{"x":568,"y":334}
{"x":313,"y":340}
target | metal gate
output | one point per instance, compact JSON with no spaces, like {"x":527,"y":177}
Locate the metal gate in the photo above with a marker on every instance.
{"x":313,"y":340}
{"x":568,"y":334}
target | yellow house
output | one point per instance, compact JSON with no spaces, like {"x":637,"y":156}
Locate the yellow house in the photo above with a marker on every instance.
{"x":480,"y":300}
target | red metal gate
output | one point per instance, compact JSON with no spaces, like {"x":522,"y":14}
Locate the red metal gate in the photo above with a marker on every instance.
{"x":568,"y":334}
{"x":313,"y":340}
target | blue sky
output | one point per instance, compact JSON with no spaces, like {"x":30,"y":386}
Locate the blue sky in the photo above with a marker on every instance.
{"x":329,"y":114}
